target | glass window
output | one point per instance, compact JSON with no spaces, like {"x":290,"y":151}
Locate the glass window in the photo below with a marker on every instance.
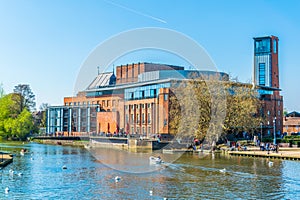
{"x":166,"y":97}
{"x":262,"y":46}
{"x":152,"y":93}
{"x":274,"y":46}
{"x":132,"y":118}
{"x":262,"y":74}
{"x":149,"y":118}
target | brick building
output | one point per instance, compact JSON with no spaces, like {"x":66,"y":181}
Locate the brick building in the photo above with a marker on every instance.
{"x":136,"y":98}
{"x":266,"y":76}
{"x":135,"y":101}
{"x":291,"y":123}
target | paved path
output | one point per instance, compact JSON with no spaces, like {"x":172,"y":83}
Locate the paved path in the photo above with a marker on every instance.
{"x":289,"y":153}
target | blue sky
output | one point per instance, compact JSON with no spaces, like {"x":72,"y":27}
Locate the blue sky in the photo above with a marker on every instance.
{"x":44,"y":43}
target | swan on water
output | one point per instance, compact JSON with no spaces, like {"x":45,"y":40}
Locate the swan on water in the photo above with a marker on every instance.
{"x":117,"y":178}
{"x":223,"y":170}
{"x":270,"y":163}
{"x":11,"y":171}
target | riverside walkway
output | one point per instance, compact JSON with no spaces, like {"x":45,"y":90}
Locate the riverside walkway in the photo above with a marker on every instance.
{"x":283,"y":153}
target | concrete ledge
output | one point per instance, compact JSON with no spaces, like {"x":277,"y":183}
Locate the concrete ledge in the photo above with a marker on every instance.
{"x":285,"y":155}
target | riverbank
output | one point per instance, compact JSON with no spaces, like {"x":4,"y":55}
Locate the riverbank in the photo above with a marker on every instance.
{"x":5,"y":159}
{"x":76,"y":143}
{"x":288,"y":153}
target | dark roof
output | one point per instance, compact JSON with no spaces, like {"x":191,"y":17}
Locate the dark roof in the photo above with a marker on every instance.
{"x":293,"y":114}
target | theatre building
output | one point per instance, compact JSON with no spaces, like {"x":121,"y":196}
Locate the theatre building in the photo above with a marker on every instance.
{"x":135,"y":100}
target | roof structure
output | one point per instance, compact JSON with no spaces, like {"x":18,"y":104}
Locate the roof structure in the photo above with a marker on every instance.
{"x":293,"y":114}
{"x":103,"y":80}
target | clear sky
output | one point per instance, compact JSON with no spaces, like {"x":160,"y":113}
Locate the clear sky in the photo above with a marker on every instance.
{"x":44,"y":43}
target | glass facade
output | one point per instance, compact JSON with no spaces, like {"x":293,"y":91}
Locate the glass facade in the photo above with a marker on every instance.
{"x":144,"y":92}
{"x":263,"y":46}
{"x":263,"y":92}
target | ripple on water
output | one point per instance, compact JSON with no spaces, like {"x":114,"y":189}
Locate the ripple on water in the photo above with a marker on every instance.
{"x":189,"y":177}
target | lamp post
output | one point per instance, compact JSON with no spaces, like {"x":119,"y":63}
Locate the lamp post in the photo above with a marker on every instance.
{"x":261,"y":131}
{"x":274,"y":124}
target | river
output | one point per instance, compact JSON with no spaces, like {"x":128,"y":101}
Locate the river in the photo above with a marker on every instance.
{"x":90,"y":174}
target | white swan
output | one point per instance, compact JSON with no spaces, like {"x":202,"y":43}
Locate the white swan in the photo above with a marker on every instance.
{"x":222,"y":170}
{"x":270,"y":163}
{"x":117,"y":178}
{"x":11,"y":172}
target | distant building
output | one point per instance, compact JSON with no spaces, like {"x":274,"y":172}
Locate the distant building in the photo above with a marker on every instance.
{"x":291,"y":123}
{"x":266,"y":76}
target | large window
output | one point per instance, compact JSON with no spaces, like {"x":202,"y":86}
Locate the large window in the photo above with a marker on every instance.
{"x":262,"y":74}
{"x":262,"y":46}
{"x":143,"y":92}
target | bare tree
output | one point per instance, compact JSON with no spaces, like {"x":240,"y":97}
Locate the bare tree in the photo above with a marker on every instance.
{"x":209,"y":107}
{"x":27,"y":98}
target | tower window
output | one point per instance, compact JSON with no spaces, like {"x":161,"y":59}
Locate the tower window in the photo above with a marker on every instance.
{"x":274,"y":46}
{"x":262,"y":73}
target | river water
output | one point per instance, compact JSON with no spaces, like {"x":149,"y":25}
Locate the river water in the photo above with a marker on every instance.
{"x":91,"y":175}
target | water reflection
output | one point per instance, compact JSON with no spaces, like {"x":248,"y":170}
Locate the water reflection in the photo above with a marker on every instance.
{"x":192,"y":176}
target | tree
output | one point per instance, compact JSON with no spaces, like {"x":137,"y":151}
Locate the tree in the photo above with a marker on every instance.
{"x":14,"y":124}
{"x":1,"y":91}
{"x":40,"y":117}
{"x":27,"y":98}
{"x":209,"y":107}
{"x":44,"y":106}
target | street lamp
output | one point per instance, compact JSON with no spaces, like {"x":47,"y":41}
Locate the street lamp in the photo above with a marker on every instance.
{"x":274,"y":123}
{"x":261,"y":131}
